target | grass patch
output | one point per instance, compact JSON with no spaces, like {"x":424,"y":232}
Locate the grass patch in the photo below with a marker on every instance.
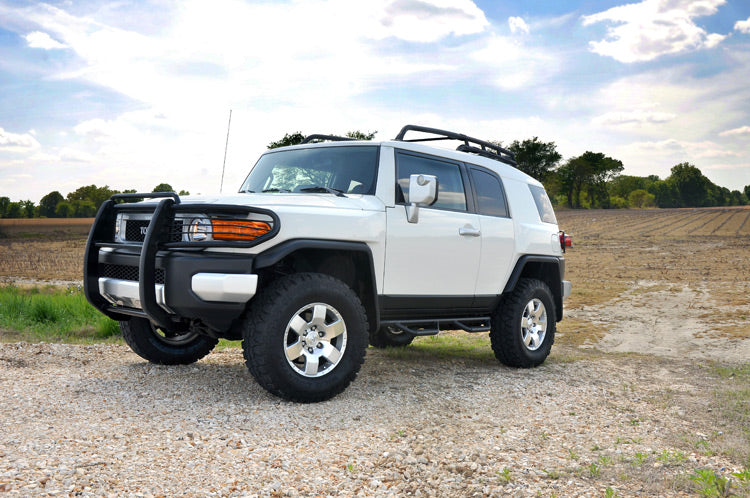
{"x":52,"y":314}
{"x":449,"y":344}
{"x":576,"y":332}
{"x":732,"y":400}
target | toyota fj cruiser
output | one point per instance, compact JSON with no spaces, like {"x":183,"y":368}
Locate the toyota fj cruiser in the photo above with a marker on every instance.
{"x":332,"y":244}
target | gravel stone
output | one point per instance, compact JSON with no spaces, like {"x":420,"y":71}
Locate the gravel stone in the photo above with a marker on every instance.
{"x":98,"y":421}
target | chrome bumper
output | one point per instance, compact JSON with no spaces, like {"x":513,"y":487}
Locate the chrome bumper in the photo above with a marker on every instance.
{"x":214,"y":287}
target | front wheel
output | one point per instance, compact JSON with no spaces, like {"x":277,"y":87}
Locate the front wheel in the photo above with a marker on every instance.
{"x":523,"y":327}
{"x":165,"y":347}
{"x":305,"y":336}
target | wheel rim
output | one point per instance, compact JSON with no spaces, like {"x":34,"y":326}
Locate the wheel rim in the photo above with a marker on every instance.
{"x":534,"y":324}
{"x":173,"y":338}
{"x":315,"y":340}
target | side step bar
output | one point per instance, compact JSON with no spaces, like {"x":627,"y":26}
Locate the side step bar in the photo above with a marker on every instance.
{"x":432,"y":327}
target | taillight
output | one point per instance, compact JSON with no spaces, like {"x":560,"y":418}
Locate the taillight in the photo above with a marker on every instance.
{"x":239,"y":229}
{"x":565,"y":240}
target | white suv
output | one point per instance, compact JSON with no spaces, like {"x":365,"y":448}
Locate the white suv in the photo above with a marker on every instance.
{"x":329,"y":246}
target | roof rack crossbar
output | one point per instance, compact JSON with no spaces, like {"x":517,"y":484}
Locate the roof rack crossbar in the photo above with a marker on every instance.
{"x":485,"y":149}
{"x":333,"y":138}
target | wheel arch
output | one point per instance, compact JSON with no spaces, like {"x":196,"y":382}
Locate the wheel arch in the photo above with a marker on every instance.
{"x":548,"y":269}
{"x":350,"y":262}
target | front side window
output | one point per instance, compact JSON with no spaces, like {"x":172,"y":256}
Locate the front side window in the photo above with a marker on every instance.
{"x":451,"y":193}
{"x":490,"y":194}
{"x":347,"y":169}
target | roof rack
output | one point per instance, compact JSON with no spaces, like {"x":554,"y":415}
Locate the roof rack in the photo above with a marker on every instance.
{"x":484,"y":149}
{"x":322,"y":138}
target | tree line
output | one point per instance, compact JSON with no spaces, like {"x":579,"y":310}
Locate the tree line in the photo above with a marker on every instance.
{"x":83,"y":202}
{"x":591,"y":180}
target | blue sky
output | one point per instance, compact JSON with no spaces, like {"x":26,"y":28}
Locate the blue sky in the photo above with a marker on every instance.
{"x":132,"y":94}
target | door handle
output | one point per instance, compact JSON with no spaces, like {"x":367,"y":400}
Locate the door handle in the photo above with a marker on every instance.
{"x":469,"y":232}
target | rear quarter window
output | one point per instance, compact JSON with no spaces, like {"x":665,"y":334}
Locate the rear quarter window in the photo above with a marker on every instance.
{"x":543,"y":204}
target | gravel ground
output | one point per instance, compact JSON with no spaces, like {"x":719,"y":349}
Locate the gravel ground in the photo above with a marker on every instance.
{"x":98,"y":421}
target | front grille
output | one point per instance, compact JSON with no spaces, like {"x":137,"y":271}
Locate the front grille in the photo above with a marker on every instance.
{"x":127,"y":272}
{"x":135,"y":230}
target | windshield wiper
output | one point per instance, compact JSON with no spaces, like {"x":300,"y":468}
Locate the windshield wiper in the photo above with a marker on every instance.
{"x":276,"y":190}
{"x":319,"y":188}
{"x":247,"y":191}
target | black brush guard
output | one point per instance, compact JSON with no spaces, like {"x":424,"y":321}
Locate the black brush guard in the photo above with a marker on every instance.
{"x":102,"y":235}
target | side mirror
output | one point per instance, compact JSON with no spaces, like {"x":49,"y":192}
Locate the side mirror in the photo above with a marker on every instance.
{"x":423,"y":191}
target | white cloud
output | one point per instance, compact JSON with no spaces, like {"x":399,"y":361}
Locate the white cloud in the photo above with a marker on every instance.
{"x":636,"y":117}
{"x":521,"y":65}
{"x":652,"y":28}
{"x":428,"y":21}
{"x":743,"y":26}
{"x":741,"y":131}
{"x":517,"y":24}
{"x":38,"y":39}
{"x":14,"y":142}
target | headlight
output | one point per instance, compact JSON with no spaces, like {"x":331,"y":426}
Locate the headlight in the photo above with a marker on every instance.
{"x":239,"y":229}
{"x":118,"y":223}
{"x":200,"y":229}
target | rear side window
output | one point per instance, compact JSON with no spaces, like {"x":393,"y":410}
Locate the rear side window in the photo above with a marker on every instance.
{"x":451,"y":193}
{"x":490,"y":194}
{"x":543,"y":204}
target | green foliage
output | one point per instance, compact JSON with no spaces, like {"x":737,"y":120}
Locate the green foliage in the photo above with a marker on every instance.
{"x":588,"y":173}
{"x":536,"y":158}
{"x":163,"y":187}
{"x":91,"y":193}
{"x":48,"y":204}
{"x":358,"y":135}
{"x":640,"y":198}
{"x":289,"y":139}
{"x":52,"y":314}
{"x":710,"y":484}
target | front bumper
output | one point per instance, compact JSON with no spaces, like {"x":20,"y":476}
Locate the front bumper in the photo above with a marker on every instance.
{"x":174,"y":284}
{"x":211,"y":288}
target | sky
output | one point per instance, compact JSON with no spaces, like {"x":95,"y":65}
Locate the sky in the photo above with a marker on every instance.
{"x":133,"y":94}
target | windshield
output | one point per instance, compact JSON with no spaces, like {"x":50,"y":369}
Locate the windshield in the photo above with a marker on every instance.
{"x":350,"y":169}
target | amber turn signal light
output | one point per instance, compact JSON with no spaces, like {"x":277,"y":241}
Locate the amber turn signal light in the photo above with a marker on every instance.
{"x":239,"y":229}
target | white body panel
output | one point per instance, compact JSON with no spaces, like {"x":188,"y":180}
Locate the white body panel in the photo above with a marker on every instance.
{"x":431,"y":257}
{"x":426,"y":258}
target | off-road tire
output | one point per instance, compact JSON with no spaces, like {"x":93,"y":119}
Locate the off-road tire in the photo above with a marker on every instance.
{"x":507,"y":332}
{"x":385,"y":337}
{"x":268,"y":335}
{"x":157,"y":347}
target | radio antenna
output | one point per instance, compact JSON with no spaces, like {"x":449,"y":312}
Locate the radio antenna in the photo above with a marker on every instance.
{"x":226,"y":146}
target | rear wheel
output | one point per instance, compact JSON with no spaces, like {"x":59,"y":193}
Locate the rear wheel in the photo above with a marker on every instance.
{"x":390,"y":336}
{"x":523,"y":326}
{"x":165,"y":347}
{"x":305,"y":337}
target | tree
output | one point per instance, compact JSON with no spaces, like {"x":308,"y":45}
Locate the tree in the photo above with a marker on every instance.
{"x":49,"y":203}
{"x":692,"y":187}
{"x":588,"y":173}
{"x":358,"y":135}
{"x":83,"y":209}
{"x":27,"y":208}
{"x":14,"y":210}
{"x":289,"y":139}
{"x":746,"y":191}
{"x":640,"y":198}
{"x":183,"y":192}
{"x":163,"y":187}
{"x":665,"y":194}
{"x":64,"y":210}
{"x":536,"y":158}
{"x":97,"y":195}
{"x":4,"y":202}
